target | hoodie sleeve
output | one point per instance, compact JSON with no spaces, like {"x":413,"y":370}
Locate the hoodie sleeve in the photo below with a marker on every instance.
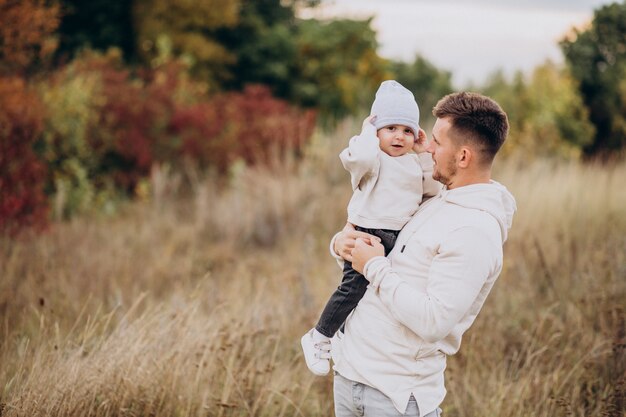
{"x":361,"y":158}
{"x":331,"y":248}
{"x":430,"y":186}
{"x":464,"y":263}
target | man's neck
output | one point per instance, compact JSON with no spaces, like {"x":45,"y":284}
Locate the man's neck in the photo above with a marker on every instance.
{"x":467,"y":178}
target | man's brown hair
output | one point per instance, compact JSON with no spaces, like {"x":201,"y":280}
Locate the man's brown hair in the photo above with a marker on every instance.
{"x":477,"y":119}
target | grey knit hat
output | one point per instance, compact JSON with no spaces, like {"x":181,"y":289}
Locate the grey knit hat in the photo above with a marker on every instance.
{"x":395,"y":105}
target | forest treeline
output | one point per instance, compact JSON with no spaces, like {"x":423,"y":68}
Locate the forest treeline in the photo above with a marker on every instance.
{"x":95,"y":95}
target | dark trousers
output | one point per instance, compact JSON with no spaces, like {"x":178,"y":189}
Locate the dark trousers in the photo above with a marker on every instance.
{"x":352,"y":288}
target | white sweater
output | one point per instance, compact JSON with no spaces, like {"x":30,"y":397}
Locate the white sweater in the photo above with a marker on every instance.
{"x":386,"y":190}
{"x":426,"y":294}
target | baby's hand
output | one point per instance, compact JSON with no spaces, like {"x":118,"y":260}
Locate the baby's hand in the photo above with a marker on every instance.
{"x":369,"y":120}
{"x":421,"y":142}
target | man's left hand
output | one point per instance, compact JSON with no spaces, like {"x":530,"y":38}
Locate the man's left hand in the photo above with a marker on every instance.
{"x":364,"y":251}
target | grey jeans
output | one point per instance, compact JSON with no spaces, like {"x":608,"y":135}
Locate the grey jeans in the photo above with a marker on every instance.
{"x":353,"y":399}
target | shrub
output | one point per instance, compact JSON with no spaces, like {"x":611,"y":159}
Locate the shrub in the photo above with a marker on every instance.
{"x":120,"y":134}
{"x":99,"y":127}
{"x":251,"y":126}
{"x":160,"y":116}
{"x":127,"y":132}
{"x":22,"y":173}
{"x":72,"y":102}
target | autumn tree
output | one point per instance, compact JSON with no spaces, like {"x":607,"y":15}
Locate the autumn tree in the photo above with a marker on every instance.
{"x":26,"y":27}
{"x":330,"y":65}
{"x":597,"y":60}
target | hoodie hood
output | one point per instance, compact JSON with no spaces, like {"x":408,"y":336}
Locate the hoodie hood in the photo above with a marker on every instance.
{"x":492,"y":198}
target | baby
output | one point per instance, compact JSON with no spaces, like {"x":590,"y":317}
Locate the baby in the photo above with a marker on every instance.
{"x":388,"y":185}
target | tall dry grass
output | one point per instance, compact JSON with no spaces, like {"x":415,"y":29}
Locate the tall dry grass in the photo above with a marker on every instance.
{"x":194,"y":305}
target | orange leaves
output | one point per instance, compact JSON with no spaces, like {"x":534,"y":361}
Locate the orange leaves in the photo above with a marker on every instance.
{"x":26,"y":29}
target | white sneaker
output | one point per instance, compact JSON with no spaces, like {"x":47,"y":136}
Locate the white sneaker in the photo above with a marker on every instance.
{"x":316,"y":352}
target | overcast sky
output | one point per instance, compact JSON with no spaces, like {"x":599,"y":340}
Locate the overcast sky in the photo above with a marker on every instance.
{"x":470,"y":39}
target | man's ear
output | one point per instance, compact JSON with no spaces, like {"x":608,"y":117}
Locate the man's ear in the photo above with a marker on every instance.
{"x":464,"y":157}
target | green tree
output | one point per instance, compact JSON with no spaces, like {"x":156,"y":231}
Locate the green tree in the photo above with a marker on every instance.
{"x":426,"y":81}
{"x":546,"y":113}
{"x":187,"y":29}
{"x":329,"y":65}
{"x":557,"y":106}
{"x":338,"y":68}
{"x":262,"y":44}
{"x":512,"y":96}
{"x":597,"y":60}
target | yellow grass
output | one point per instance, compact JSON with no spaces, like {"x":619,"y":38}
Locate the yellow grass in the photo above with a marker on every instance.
{"x":194,"y":306}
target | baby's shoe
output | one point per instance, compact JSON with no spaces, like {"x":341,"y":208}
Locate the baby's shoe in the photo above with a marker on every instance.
{"x":316,"y":349}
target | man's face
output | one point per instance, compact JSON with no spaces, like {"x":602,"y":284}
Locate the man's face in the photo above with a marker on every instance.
{"x":443,"y":150}
{"x":396,"y":140}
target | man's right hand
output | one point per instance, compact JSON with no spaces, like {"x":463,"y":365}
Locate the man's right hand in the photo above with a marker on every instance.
{"x":346,"y":239}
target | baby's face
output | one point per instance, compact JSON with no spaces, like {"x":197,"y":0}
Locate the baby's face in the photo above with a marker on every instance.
{"x":396,"y":140}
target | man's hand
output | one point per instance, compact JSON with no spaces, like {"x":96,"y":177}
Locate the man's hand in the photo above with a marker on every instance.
{"x":345,"y":241}
{"x":364,"y":251}
{"x":421,"y":142}
{"x":369,"y":120}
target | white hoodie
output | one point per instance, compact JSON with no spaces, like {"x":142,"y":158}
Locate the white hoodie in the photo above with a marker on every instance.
{"x":387,"y":190}
{"x":426,"y":294}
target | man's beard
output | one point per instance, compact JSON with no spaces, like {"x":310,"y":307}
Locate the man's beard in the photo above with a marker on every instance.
{"x":447,"y":178}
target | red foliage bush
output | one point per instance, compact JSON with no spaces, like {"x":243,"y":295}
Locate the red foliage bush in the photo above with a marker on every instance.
{"x":154,"y":116}
{"x":144,"y":120}
{"x":120,"y":134}
{"x":129,"y":134}
{"x":251,"y":125}
{"x":22,"y":174}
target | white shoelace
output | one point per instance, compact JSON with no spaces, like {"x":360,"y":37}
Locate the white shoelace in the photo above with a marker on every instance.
{"x":323,"y":350}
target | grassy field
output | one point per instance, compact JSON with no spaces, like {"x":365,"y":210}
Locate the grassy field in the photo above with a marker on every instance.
{"x":194,"y":305}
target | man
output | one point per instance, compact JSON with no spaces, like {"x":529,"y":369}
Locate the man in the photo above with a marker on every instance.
{"x":422,"y":298}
